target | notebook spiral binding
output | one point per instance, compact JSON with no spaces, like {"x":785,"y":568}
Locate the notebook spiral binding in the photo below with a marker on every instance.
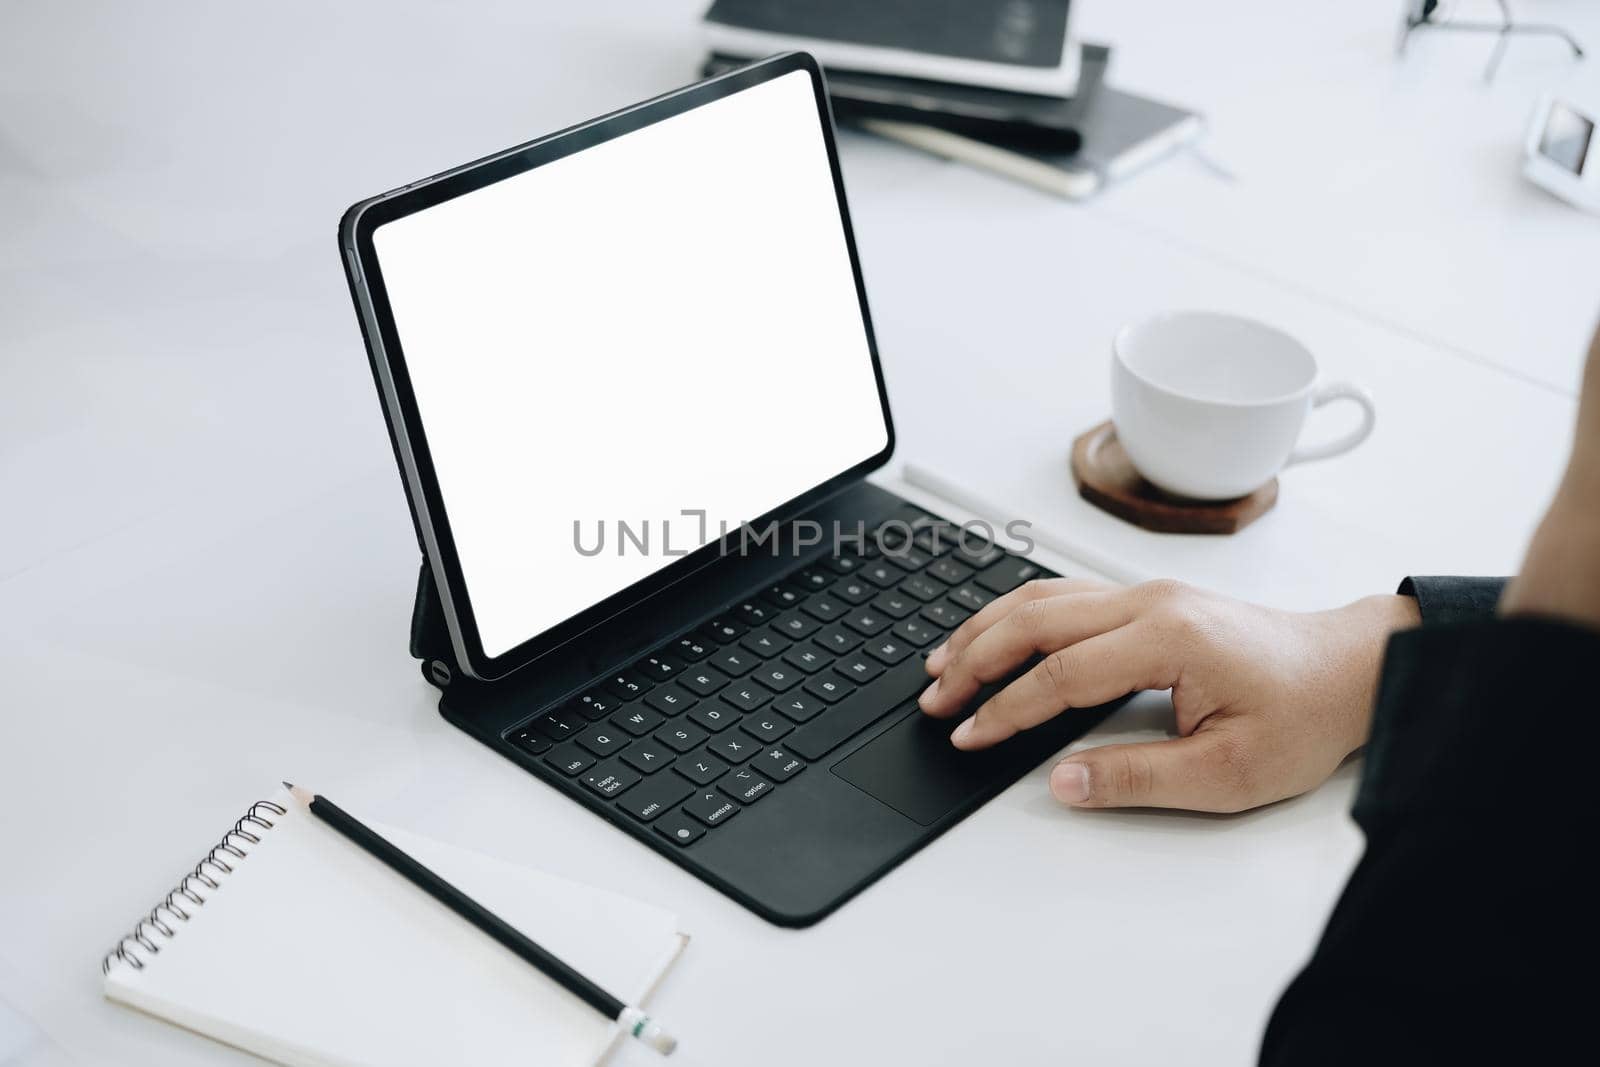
{"x":140,"y":941}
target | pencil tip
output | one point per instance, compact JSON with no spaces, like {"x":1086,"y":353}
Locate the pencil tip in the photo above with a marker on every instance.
{"x":288,"y":785}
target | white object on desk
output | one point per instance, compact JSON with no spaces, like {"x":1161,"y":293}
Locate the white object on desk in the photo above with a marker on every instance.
{"x":1562,"y":152}
{"x":304,"y":949}
{"x":1210,"y":406}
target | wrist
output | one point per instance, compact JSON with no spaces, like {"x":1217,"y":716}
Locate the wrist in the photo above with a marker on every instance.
{"x":1358,"y":636}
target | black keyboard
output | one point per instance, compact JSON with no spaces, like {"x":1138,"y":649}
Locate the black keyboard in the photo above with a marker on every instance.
{"x":719,"y":717}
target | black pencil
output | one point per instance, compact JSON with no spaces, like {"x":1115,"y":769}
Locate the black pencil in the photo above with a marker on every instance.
{"x":631,"y":1019}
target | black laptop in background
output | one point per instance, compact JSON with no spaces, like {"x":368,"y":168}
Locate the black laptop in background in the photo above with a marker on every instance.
{"x":631,"y":382}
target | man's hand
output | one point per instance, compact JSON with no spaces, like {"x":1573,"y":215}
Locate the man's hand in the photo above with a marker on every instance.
{"x":1561,"y":575}
{"x":1268,"y":702}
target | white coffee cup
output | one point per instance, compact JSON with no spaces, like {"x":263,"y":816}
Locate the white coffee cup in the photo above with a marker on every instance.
{"x":1210,"y":406}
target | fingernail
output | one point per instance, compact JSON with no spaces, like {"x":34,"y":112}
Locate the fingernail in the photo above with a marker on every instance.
{"x":935,"y":660}
{"x":1069,"y":782}
{"x":961,"y":733}
{"x":929,"y":694}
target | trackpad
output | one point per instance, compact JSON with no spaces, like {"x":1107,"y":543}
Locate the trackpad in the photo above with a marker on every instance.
{"x":913,"y":768}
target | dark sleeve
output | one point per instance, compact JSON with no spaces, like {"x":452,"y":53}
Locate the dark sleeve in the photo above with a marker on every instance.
{"x":1453,"y":940}
{"x":1454,"y":599}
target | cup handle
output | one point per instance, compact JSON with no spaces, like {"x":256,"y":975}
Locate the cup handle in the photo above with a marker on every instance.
{"x":1326,"y":394}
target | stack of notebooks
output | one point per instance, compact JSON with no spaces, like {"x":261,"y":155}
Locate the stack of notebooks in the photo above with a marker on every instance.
{"x":1000,"y":84}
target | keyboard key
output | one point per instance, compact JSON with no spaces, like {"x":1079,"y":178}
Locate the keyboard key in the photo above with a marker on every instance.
{"x":945,"y":614}
{"x":703,"y":680}
{"x":976,"y":552}
{"x":801,"y":707}
{"x":679,"y":828}
{"x":808,"y":658}
{"x":837,"y":639}
{"x":779,"y":677}
{"x":681,"y":736}
{"x":782,"y":596}
{"x":713,"y":717}
{"x":628,"y":685}
{"x":747,"y":696}
{"x":569,"y":760}
{"x":895,"y":604}
{"x":855,"y":590}
{"x":529,"y":740}
{"x":658,"y":668}
{"x":859,"y":669}
{"x":560,"y":724}
{"x":1008,"y":574}
{"x":647,"y":756}
{"x":655,"y":797}
{"x":723,"y":630}
{"x":700,"y":767}
{"x":691,"y":649}
{"x":910,"y":558}
{"x":829,"y":687}
{"x":971,"y":597}
{"x":892,"y":535}
{"x":711,"y":807}
{"x":670,"y":699}
{"x":609,"y":778}
{"x":637,"y":719}
{"x":889,"y":650}
{"x":778,"y":765}
{"x":734,"y":747}
{"x":734,"y":661}
{"x":594,"y":705}
{"x":813,"y":579}
{"x":824,"y":608}
{"x":867,"y":622}
{"x":795,"y":625}
{"x":922,"y":587}
{"x":936,"y":538}
{"x":755,"y":613}
{"x":948,"y":570}
{"x":766,"y":728}
{"x":745,"y":786}
{"x":882,"y":574}
{"x":765,"y":642}
{"x":917,"y":632}
{"x":603,"y":739}
{"x":842,"y":564}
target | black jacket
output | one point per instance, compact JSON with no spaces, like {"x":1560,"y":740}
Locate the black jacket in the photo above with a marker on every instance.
{"x":1465,"y":933}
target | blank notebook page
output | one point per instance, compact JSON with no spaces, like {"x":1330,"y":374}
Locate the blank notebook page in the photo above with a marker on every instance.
{"x":313,"y":952}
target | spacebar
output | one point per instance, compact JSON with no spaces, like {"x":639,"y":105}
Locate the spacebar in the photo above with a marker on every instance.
{"x":859,"y":710}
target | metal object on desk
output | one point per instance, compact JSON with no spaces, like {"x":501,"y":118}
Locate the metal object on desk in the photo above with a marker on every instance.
{"x":1419,"y":15}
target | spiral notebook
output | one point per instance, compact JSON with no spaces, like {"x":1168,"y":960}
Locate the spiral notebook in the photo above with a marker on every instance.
{"x":289,"y":942}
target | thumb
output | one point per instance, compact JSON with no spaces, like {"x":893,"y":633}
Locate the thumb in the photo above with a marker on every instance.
{"x":1201,"y":772}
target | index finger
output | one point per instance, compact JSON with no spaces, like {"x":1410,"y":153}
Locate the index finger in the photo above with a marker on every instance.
{"x":999,"y":608}
{"x":1036,"y":627}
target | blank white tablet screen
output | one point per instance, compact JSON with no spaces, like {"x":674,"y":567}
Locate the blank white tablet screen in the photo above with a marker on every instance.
{"x":664,"y":322}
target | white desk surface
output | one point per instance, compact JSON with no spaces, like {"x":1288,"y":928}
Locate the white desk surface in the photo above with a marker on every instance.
{"x":206,"y":561}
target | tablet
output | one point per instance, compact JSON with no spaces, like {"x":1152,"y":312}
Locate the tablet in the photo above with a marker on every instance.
{"x":654,"y":320}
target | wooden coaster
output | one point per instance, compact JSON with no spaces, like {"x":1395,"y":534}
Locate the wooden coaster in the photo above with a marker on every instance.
{"x":1106,"y":479}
